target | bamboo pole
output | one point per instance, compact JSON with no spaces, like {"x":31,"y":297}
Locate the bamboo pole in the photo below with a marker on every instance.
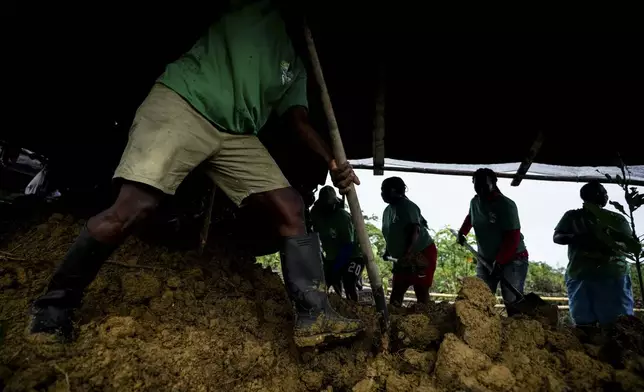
{"x":352,"y":197}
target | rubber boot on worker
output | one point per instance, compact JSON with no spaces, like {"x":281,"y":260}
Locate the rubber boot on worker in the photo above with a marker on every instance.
{"x":53,"y":311}
{"x":315,"y":319}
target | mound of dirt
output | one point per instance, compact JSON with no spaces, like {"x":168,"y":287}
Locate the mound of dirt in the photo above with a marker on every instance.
{"x":157,"y":320}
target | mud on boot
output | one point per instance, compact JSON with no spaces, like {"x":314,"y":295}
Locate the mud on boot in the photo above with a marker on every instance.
{"x":315,"y":320}
{"x":315,"y":325}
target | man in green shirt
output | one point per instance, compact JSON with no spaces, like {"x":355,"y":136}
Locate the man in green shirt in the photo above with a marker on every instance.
{"x":498,"y":235}
{"x":597,"y":278}
{"x":343,"y":261}
{"x":206,"y":109}
{"x":408,"y":241}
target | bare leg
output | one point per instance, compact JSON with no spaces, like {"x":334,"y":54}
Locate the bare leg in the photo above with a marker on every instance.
{"x":285,"y":207}
{"x":96,"y":242}
{"x":134,"y":203}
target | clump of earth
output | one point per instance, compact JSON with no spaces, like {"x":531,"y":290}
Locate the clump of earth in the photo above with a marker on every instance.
{"x":156,"y":320}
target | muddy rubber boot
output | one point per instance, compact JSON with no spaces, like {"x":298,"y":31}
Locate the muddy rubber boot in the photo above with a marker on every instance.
{"x":52,"y":312}
{"x":315,"y":319}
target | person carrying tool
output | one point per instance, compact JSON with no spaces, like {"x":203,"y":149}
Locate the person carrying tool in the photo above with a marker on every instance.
{"x":498,"y":235}
{"x":343,"y":260}
{"x":206,"y":109}
{"x":597,"y":276}
{"x":408,"y":241}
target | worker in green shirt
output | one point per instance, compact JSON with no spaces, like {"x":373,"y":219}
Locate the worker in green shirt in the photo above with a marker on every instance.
{"x":206,"y":109}
{"x":597,"y":276}
{"x":343,"y":260}
{"x":498,"y":235}
{"x":408,"y":241}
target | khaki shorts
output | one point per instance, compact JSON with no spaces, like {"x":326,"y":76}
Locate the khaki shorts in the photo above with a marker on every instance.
{"x":169,"y":138}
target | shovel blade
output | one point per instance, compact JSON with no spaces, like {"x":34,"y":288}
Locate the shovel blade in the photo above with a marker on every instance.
{"x":535,"y":307}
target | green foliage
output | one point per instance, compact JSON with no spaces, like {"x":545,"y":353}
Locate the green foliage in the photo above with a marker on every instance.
{"x":542,"y":278}
{"x":631,"y":247}
{"x":271,"y":261}
{"x":378,"y":249}
{"x":454,"y":261}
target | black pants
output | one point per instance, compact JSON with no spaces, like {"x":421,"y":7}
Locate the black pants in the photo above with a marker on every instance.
{"x":345,"y":275}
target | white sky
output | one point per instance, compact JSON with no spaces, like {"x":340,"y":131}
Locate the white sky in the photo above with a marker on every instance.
{"x":444,"y":200}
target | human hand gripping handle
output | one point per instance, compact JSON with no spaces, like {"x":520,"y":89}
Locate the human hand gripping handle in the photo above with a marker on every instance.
{"x":343,"y":176}
{"x":461,"y":238}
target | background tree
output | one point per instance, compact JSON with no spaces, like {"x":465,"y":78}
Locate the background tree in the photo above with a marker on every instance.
{"x":272,"y":261}
{"x":454,"y":261}
{"x":379,"y":246}
{"x":545,"y":279}
{"x":631,"y":247}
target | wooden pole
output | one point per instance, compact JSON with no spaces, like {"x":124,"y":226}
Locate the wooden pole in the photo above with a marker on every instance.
{"x":379,"y":128}
{"x":352,"y":197}
{"x":525,"y":165}
{"x":203,"y":235}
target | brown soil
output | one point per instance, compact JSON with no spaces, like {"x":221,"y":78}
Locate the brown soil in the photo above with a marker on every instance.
{"x":156,"y":320}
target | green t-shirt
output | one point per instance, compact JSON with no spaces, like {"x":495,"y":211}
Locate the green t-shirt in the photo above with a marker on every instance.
{"x":491,"y":219}
{"x":335,"y":230}
{"x":585,"y":262}
{"x":241,"y":70}
{"x":395,"y":227}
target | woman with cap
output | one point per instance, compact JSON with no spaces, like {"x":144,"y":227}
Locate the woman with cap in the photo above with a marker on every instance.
{"x":343,"y":261}
{"x":495,"y":219}
{"x":408,"y":241}
{"x":597,"y":278}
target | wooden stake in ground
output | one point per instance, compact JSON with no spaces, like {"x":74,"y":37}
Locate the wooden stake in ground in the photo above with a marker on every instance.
{"x":352,"y":197}
{"x":203,"y":236}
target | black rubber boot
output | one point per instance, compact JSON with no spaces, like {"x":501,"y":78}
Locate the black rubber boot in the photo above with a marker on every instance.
{"x":52,"y":312}
{"x":315,"y":319}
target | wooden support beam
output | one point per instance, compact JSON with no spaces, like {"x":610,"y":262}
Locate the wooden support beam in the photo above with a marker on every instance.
{"x":379,"y":129}
{"x":205,"y":229}
{"x":469,"y":173}
{"x":527,"y":162}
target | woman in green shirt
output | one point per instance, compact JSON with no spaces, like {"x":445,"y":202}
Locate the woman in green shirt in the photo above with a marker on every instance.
{"x":408,"y":241}
{"x":597,"y":279}
{"x":343,"y":261}
{"x":495,"y":219}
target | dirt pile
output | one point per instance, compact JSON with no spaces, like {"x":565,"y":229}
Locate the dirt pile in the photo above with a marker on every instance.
{"x":156,"y":320}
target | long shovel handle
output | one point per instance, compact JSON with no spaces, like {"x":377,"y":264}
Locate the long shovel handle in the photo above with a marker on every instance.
{"x":489,"y":267}
{"x":352,"y":197}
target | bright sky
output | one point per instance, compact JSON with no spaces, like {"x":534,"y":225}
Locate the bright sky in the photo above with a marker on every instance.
{"x":444,"y":200}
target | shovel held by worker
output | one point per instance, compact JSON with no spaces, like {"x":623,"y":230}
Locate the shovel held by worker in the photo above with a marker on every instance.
{"x":352,"y":197}
{"x":529,"y":304}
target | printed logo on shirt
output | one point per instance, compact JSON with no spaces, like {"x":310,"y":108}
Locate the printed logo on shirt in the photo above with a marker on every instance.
{"x":492,"y":217}
{"x":287,"y":75}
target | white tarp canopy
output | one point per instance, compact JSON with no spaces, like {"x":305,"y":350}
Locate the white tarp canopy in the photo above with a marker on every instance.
{"x":537,"y":171}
